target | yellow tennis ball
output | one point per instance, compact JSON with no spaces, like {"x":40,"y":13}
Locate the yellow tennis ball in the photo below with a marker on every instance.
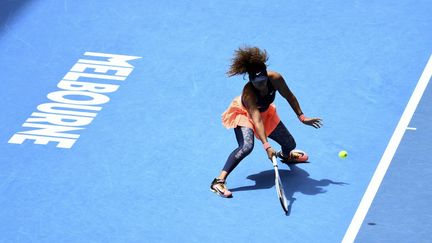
{"x":343,"y":154}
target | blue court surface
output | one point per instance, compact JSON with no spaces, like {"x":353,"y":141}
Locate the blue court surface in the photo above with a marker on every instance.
{"x":131,"y":159}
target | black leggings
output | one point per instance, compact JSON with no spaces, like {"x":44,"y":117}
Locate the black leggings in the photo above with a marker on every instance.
{"x":245,"y":140}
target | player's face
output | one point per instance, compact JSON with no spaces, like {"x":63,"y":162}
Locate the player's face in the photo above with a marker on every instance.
{"x":258,"y":77}
{"x":261,"y":85}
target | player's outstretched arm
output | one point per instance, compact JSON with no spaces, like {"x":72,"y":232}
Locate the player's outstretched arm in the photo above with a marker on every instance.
{"x":281,"y":86}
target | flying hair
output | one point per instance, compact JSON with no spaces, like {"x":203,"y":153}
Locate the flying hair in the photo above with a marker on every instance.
{"x":245,"y":58}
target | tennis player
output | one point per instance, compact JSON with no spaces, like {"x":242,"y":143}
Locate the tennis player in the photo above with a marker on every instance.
{"x":253,"y":113}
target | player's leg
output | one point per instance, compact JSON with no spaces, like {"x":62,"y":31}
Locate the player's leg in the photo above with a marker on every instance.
{"x":245,"y":140}
{"x":284,"y":138}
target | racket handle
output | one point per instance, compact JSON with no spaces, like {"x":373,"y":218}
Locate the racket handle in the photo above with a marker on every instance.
{"x":274,"y":160}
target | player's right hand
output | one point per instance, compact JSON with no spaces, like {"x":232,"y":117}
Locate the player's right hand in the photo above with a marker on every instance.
{"x":270,"y":152}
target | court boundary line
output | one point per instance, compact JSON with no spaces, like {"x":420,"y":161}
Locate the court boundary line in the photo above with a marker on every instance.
{"x":388,"y":155}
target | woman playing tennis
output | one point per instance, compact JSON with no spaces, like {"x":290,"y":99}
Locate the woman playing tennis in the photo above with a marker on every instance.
{"x":253,"y":113}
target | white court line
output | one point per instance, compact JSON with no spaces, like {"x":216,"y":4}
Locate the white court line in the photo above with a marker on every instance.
{"x":411,"y":128}
{"x":387,"y":157}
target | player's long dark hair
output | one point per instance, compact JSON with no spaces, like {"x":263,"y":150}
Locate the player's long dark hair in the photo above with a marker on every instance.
{"x":244,"y":58}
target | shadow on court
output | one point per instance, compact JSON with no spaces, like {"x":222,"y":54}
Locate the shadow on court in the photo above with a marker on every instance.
{"x":294,"y":180}
{"x":9,"y":9}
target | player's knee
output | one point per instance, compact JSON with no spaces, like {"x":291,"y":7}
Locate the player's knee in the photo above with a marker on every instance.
{"x":243,"y":151}
{"x":247,"y":148}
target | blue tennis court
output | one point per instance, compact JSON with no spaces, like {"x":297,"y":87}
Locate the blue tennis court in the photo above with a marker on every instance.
{"x":131,"y":158}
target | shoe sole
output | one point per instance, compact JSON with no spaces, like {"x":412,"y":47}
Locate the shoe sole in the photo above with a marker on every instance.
{"x":294,"y":162}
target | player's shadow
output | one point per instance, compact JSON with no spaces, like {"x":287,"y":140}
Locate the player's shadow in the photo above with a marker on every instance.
{"x":294,"y":180}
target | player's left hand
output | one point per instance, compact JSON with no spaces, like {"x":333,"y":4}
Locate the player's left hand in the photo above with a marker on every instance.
{"x":314,"y":122}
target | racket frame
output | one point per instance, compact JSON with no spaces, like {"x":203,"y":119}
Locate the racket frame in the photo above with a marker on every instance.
{"x":279,"y":186}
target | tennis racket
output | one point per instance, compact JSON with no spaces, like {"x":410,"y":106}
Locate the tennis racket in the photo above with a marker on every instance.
{"x":279,"y":187}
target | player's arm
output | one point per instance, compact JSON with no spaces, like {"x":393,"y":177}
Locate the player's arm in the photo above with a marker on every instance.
{"x":281,"y":86}
{"x":249,"y":100}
